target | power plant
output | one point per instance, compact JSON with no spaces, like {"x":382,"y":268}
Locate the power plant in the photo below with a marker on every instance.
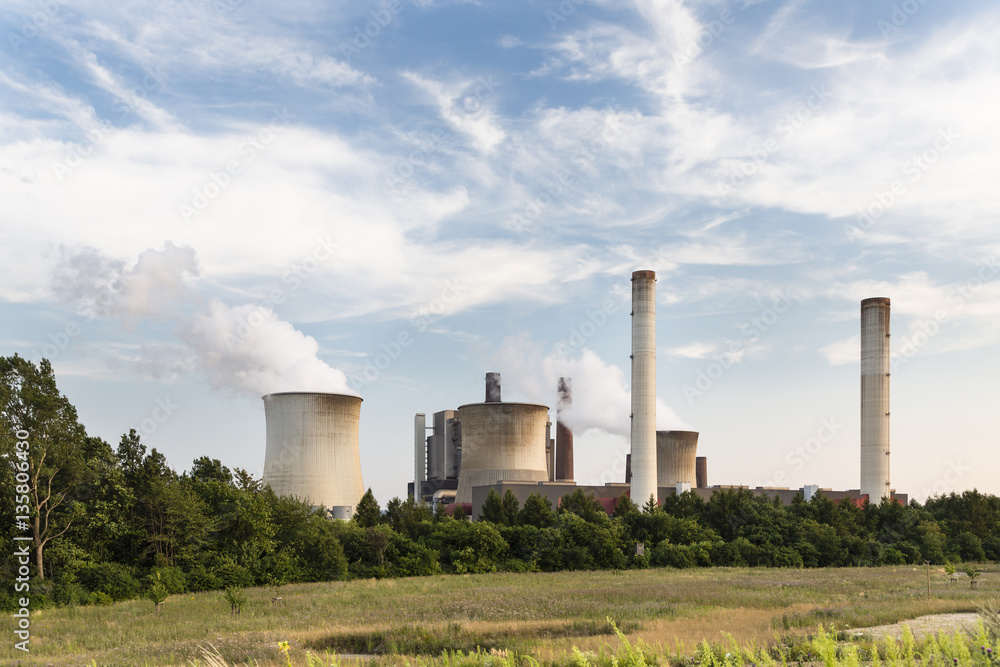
{"x":465,"y":453}
{"x":312,"y":449}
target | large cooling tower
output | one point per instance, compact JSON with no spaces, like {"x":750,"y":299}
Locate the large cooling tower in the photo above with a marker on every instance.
{"x":875,"y":398}
{"x":643,"y":386}
{"x":501,"y":441}
{"x":312,"y":449}
{"x":675,"y":458}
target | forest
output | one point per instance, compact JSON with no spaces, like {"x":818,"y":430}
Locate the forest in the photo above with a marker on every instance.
{"x":108,"y":523}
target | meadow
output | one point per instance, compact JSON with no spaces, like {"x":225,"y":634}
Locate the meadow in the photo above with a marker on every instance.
{"x":543,"y":615}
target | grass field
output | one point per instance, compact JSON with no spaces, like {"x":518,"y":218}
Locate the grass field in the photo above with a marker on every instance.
{"x":544,"y":615}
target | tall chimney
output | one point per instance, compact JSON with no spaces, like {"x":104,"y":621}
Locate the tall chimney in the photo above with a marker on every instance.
{"x":643,"y":386}
{"x":875,"y":399}
{"x":701,"y":472}
{"x":492,"y":387}
{"x":419,"y":455}
{"x":564,"y":436}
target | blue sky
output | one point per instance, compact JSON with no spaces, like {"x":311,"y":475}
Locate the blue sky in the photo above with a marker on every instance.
{"x":207,"y":201}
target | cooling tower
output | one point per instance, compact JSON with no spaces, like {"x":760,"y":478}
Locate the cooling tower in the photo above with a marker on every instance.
{"x":675,"y":457}
{"x":643,"y":439}
{"x":501,"y":442}
{"x":701,"y":472}
{"x":564,"y":436}
{"x":312,"y":449}
{"x":875,"y":398}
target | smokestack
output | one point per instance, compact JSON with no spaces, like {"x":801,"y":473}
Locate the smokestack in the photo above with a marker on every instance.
{"x":492,"y":387}
{"x":564,"y":436}
{"x":643,"y":386}
{"x":701,"y":472}
{"x":875,"y":398}
{"x":419,"y":456}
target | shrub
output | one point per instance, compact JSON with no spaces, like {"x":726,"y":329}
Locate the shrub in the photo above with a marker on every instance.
{"x":172,"y":578}
{"x":111,"y":579}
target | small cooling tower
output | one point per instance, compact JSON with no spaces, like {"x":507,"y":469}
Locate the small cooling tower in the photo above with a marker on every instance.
{"x":676,"y":452}
{"x":501,"y":442}
{"x":312,"y":449}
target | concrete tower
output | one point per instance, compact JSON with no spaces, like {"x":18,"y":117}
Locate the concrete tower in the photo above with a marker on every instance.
{"x":312,"y":449}
{"x":875,"y":399}
{"x":676,"y":452}
{"x":564,"y":436}
{"x":643,"y":386}
{"x":501,"y":442}
{"x":701,"y":472}
{"x":419,"y":455}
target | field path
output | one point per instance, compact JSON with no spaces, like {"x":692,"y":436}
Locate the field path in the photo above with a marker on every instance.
{"x":936,"y":623}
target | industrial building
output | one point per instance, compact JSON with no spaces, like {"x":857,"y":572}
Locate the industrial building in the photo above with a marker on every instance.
{"x":313,"y":450}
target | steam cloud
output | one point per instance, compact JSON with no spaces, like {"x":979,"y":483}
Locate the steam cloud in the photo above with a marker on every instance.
{"x":602,"y":398}
{"x":244,"y":348}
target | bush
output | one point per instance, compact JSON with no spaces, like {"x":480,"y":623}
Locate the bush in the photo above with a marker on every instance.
{"x":111,"y":579}
{"x":100,"y":599}
{"x":172,"y":578}
{"x":200,"y":578}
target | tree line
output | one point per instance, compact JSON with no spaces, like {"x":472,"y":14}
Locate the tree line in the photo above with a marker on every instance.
{"x":108,"y":523}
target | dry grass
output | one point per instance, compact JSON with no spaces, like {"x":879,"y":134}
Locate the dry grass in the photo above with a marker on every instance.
{"x":543,"y":614}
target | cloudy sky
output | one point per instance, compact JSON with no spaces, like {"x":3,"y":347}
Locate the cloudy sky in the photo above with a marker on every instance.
{"x":204,"y":201}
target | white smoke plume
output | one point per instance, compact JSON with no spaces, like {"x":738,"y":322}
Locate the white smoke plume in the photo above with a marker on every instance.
{"x":245,"y":348}
{"x":602,"y":398}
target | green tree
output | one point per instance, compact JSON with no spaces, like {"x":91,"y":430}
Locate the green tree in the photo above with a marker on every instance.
{"x":51,"y":464}
{"x":537,"y":512}
{"x":368,"y":512}
{"x":492,"y":509}
{"x":584,"y":505}
{"x":511,"y":507}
